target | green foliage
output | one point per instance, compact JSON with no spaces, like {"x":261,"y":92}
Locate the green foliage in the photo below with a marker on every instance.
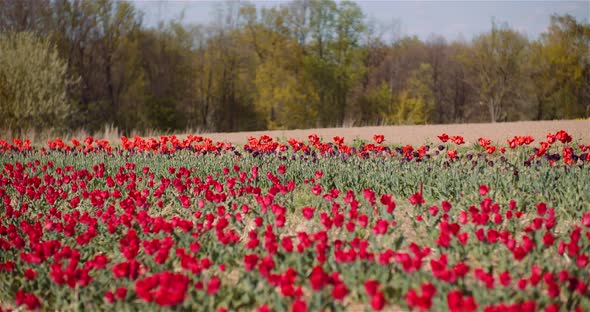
{"x":561,"y":69}
{"x":415,"y":103}
{"x":409,"y":110}
{"x":283,"y":98}
{"x":376,"y":104}
{"x":161,"y":113}
{"x":33,"y":83}
{"x":420,"y":88}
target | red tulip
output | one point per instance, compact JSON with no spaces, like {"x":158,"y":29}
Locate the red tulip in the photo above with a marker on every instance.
{"x":379,"y":138}
{"x":378,"y":301}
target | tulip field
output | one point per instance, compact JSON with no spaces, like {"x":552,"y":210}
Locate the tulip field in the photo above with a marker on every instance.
{"x":323,"y":224}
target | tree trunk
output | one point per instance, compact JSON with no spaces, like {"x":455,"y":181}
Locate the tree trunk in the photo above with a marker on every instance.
{"x":540,"y":109}
{"x":492,"y":109}
{"x":111,"y":90}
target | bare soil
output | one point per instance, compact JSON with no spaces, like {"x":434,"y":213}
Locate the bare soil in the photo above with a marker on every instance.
{"x":418,"y":134}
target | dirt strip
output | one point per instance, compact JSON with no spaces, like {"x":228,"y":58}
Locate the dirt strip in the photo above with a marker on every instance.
{"x":497,"y":132}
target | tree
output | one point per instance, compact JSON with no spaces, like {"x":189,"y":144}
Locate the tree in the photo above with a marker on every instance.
{"x":230,"y":68}
{"x":33,"y":83}
{"x":97,"y":39}
{"x":437,"y":53}
{"x":495,"y":61}
{"x":115,"y":22}
{"x":284,"y":98}
{"x":409,"y":110}
{"x":375,"y":105}
{"x":560,"y":69}
{"x":333,"y":56}
{"x":166,"y":58}
{"x":421,"y":86}
{"x":297,"y":64}
{"x":458,"y":90}
{"x":349,"y":26}
{"x":415,"y":104}
{"x":71,"y":30}
{"x":25,"y":15}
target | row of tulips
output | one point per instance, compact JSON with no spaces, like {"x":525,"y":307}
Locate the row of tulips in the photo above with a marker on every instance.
{"x":265,"y":144}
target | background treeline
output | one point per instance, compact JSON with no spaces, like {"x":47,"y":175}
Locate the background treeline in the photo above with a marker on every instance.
{"x":76,"y":64}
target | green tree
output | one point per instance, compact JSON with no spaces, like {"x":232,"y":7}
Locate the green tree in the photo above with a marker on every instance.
{"x":334,"y":56}
{"x":33,"y":83}
{"x":349,"y":28}
{"x":284,"y":97}
{"x":421,"y":86}
{"x":415,"y":104}
{"x":560,"y":69}
{"x":375,"y":105}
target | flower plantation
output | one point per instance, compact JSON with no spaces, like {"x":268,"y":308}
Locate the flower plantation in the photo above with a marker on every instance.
{"x":192,"y":224}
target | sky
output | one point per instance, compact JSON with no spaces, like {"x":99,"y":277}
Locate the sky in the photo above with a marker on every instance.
{"x":455,"y":20}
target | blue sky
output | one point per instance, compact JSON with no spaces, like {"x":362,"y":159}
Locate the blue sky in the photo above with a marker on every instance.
{"x":452,"y":19}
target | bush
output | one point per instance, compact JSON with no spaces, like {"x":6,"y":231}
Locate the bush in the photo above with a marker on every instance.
{"x":33,"y":83}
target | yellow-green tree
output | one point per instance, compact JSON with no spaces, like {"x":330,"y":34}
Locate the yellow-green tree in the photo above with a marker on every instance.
{"x":374,"y":105}
{"x":409,"y":110}
{"x":33,"y":84}
{"x":561,"y":69}
{"x":415,"y":104}
{"x":284,"y":98}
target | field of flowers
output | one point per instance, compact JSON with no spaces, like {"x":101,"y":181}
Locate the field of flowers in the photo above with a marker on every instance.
{"x":320,"y":225}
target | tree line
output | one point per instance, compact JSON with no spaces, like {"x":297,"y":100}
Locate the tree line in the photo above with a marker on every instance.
{"x":78,"y":64}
